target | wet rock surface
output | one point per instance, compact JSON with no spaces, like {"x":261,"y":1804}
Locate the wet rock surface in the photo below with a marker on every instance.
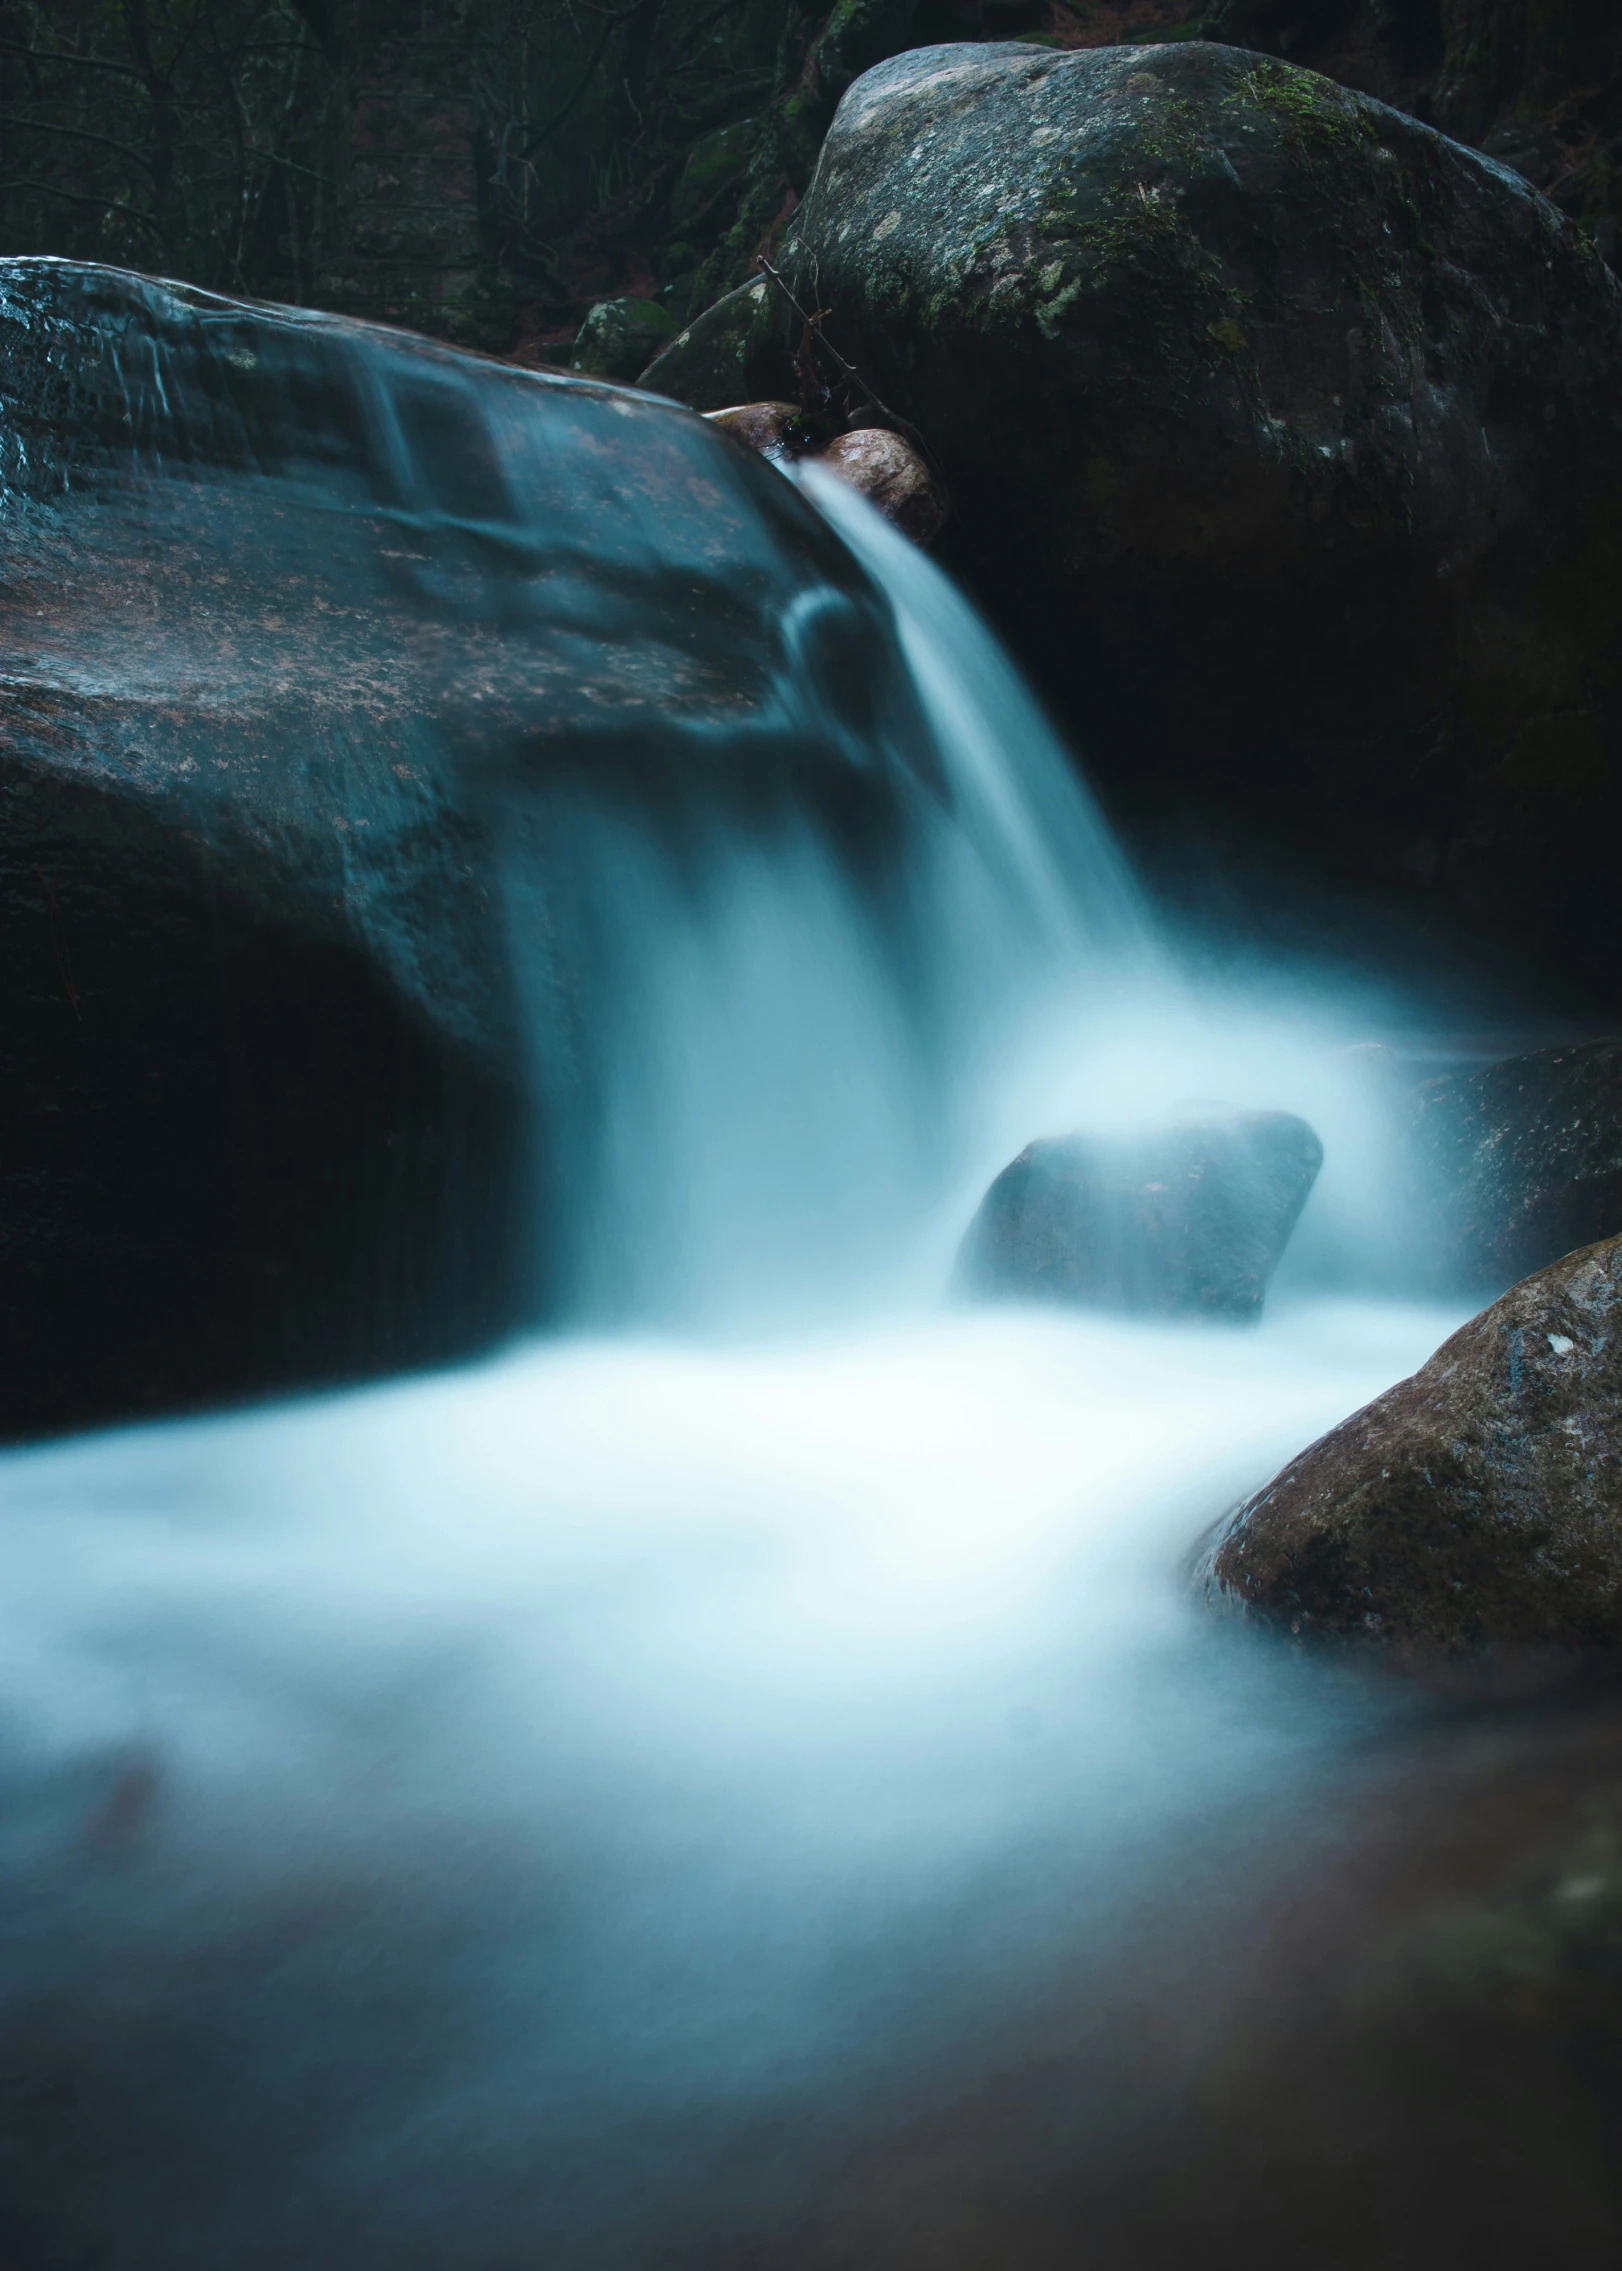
{"x":1188,"y":1221}
{"x":304,"y":627}
{"x":1476,"y":1506}
{"x":1522,"y":1160}
{"x":1282,"y":435}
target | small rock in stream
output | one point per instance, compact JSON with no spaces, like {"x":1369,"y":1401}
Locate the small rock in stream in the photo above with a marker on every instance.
{"x":1187,"y":1221}
{"x":884,"y":466}
{"x":892,"y":475}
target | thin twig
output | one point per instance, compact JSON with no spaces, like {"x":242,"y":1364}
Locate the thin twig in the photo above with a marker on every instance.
{"x":813,"y":325}
{"x":66,"y":55}
{"x":108,"y":205}
{"x":76,"y":134}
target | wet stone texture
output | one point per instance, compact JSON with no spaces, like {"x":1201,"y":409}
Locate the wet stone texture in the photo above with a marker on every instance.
{"x":311,"y":637}
{"x":1188,"y":1221}
{"x":1282,"y":435}
{"x":1522,"y":1160}
{"x":1474,"y":1507}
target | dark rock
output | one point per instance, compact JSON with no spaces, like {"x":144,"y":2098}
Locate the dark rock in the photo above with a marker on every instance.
{"x":710,"y":173}
{"x":1189,"y":1221}
{"x":312,"y":636}
{"x":1522,"y":1160}
{"x":1281,"y":432}
{"x":1477,"y":1505}
{"x":1537,"y":83}
{"x":620,"y":337}
{"x":892,"y":476}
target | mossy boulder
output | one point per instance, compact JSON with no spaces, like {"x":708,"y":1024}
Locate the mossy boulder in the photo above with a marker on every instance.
{"x":709,"y":364}
{"x":1474,"y":1507}
{"x":709,"y":178}
{"x":620,"y":336}
{"x":1283,"y":435}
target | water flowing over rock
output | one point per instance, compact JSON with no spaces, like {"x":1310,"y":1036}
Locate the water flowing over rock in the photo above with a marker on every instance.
{"x":892,"y":475}
{"x":879,"y":465}
{"x":1281,"y":431}
{"x":1522,"y":1159}
{"x":1477,"y":1505}
{"x":303,"y":624}
{"x":1191,"y":1220}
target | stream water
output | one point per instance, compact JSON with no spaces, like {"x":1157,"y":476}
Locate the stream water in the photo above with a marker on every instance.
{"x":571,"y":1809}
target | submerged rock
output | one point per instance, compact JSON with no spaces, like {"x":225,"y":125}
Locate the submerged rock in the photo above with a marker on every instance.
{"x":1522,"y":1160}
{"x":312,"y":639}
{"x":1189,"y":1221}
{"x":1476,"y":1505}
{"x":1280,"y":430}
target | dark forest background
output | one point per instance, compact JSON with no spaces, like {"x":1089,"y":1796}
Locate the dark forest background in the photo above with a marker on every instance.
{"x":489,"y":169}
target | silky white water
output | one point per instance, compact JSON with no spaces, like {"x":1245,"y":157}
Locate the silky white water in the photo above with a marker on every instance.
{"x":548,"y":1812}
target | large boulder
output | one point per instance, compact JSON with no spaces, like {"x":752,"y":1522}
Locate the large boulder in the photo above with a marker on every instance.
{"x":1282,"y":432}
{"x":312,"y":637}
{"x":1521,"y":1161}
{"x":1186,"y":1221}
{"x":1476,"y":1506}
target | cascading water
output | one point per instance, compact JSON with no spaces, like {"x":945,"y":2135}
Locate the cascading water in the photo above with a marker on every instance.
{"x":795,"y":1048}
{"x":581,"y":1808}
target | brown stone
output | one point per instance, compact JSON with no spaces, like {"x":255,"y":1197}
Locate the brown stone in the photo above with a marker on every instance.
{"x":892,"y":475}
{"x":1475,"y":1506}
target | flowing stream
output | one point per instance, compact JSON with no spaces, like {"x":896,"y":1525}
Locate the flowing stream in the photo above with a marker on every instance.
{"x":571,"y":1809}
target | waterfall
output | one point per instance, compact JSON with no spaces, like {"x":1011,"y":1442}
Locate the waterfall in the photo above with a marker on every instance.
{"x":591,"y":1805}
{"x":792,"y":1038}
{"x":809,"y":1052}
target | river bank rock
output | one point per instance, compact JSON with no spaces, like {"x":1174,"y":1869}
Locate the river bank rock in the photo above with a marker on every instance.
{"x":312,"y":637}
{"x":1283,"y":439}
{"x":1476,"y":1506}
{"x":1188,"y":1221}
{"x":1522,"y":1160}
